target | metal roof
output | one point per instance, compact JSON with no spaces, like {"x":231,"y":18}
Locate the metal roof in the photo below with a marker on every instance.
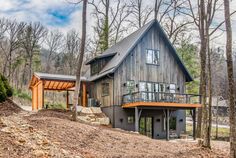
{"x":125,"y":46}
{"x":57,"y":77}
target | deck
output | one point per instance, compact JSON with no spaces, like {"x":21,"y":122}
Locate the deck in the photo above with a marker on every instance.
{"x":161,"y":99}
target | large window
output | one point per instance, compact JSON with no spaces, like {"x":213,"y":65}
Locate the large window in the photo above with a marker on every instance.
{"x":105,"y":89}
{"x":152,"y":56}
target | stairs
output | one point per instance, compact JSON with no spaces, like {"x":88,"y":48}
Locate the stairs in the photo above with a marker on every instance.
{"x":92,"y":115}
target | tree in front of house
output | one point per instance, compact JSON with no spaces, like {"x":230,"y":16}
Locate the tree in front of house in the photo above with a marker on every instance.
{"x":189,"y":55}
{"x":5,"y":89}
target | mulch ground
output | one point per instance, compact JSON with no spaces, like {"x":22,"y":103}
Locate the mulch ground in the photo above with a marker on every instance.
{"x":82,"y":140}
{"x":8,"y":108}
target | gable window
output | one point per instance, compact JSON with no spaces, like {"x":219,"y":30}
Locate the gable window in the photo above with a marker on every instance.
{"x":152,"y":56}
{"x":105,"y":89}
{"x":94,"y":68}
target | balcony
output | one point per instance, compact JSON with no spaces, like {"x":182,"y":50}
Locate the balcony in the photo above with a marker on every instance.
{"x":163,"y":99}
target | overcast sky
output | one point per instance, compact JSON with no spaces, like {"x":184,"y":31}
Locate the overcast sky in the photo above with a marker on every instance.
{"x":61,"y":15}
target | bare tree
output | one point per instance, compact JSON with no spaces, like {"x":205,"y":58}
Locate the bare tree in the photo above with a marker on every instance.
{"x":140,"y":14}
{"x":53,"y":42}
{"x":231,"y":83}
{"x":80,"y":62}
{"x":31,"y":36}
{"x":110,"y":18}
{"x":71,"y":52}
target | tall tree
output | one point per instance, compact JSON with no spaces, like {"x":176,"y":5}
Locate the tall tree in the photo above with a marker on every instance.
{"x":231,"y":92}
{"x":80,"y":62}
{"x":31,"y":36}
{"x":110,"y":17}
{"x":53,"y":43}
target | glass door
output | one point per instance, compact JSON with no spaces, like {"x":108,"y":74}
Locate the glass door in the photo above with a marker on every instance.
{"x":146,"y":126}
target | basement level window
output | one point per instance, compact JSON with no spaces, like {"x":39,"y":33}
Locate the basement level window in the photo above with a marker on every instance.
{"x":105,"y":89}
{"x":130,"y":119}
{"x":152,"y":56}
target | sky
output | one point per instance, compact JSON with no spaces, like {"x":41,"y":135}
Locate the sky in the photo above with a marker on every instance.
{"x":62,"y":15}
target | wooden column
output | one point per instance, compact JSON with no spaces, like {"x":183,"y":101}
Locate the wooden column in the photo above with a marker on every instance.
{"x":167,"y":125}
{"x":194,"y":123}
{"x":136,"y":119}
{"x":84,"y":93}
{"x":67,"y":99}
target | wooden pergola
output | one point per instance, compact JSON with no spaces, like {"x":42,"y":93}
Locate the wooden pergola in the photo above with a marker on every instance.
{"x":41,"y":82}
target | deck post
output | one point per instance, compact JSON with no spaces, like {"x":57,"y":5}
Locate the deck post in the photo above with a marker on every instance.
{"x":136,"y":119}
{"x":67,"y":99}
{"x":167,"y":125}
{"x":194,"y":123}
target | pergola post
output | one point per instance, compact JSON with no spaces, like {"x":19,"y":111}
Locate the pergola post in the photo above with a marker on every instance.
{"x":194,"y":123}
{"x":167,"y":125}
{"x":84,"y":94}
{"x":136,"y":119}
{"x":67,"y":99}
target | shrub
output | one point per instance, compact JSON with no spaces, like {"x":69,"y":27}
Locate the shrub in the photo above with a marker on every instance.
{"x":9,"y":90}
{"x":3,"y":94}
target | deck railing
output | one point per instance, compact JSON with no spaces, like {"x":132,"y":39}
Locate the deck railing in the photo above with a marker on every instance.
{"x":144,"y":96}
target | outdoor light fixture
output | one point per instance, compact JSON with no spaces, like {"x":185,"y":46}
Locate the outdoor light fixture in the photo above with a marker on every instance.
{"x":136,"y":85}
{"x":124,"y":84}
{"x":181,"y":120}
{"x":158,"y":120}
{"x":121,"y":120}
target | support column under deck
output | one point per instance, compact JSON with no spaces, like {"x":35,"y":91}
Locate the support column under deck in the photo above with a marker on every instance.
{"x":136,"y":119}
{"x":167,"y":125}
{"x":194,"y":123}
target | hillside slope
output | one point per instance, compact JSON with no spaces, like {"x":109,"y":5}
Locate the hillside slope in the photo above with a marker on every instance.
{"x":51,"y":134}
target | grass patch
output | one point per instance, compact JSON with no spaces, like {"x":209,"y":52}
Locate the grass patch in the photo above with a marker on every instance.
{"x":223,"y":133}
{"x":22,"y":94}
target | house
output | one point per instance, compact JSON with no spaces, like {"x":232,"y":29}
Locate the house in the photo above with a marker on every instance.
{"x":139,"y":83}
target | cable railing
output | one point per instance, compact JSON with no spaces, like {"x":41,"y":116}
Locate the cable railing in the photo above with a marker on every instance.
{"x":145,"y":96}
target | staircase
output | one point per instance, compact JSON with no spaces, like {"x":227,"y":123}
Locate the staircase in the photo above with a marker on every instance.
{"x":92,"y":115}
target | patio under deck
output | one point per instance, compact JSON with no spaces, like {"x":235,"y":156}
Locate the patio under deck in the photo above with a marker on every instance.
{"x":162,"y":100}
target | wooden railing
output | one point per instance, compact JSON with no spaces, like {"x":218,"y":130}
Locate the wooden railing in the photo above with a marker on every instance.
{"x":144,"y":96}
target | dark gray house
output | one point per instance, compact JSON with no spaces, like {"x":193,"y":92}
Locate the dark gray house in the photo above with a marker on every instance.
{"x":140,"y":84}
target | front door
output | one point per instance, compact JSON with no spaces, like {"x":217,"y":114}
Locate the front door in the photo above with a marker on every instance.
{"x":146,"y":126}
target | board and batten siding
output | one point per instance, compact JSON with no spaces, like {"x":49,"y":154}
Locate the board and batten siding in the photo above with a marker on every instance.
{"x":104,"y":100}
{"x":134,"y":66}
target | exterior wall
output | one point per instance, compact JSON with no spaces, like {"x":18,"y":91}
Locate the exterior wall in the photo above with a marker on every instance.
{"x":121,"y":119}
{"x":134,"y":66}
{"x":105,"y":100}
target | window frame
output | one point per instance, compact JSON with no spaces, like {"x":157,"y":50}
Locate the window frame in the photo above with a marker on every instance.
{"x":107,"y":92}
{"x":154,"y":51}
{"x":130,"y":120}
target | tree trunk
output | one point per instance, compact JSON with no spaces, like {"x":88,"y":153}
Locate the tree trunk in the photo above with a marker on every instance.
{"x":80,"y":62}
{"x":202,"y":88}
{"x":230,"y":79}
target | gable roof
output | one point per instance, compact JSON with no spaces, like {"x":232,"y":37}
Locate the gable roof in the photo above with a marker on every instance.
{"x":125,"y":46}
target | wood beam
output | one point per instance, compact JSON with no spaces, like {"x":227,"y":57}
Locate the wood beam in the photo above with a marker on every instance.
{"x":161,"y":104}
{"x":67,"y":100}
{"x":84,"y":94}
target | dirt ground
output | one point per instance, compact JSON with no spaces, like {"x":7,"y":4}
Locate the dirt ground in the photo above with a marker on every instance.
{"x":52,"y":134}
